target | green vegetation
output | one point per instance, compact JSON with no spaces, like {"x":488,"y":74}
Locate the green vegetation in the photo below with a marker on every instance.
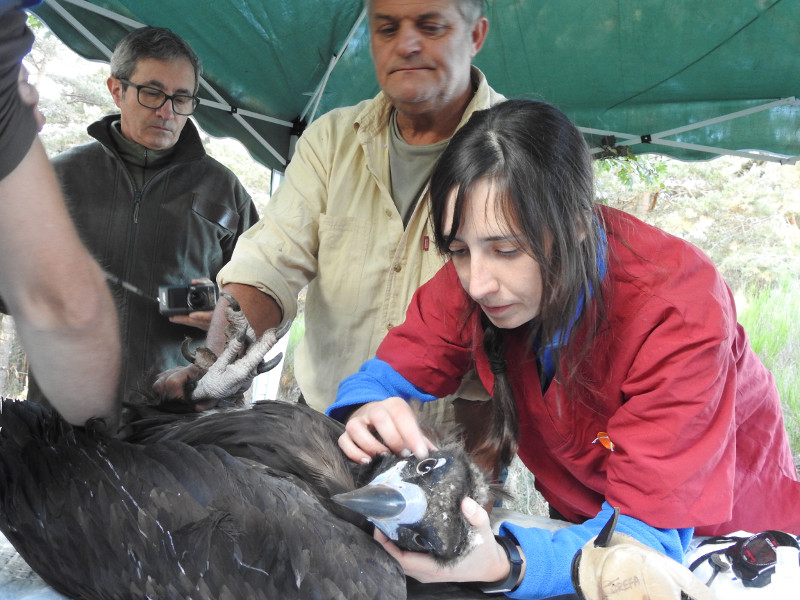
{"x":769,"y":315}
{"x":288,"y":389}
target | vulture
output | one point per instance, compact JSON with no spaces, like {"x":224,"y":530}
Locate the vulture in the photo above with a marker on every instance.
{"x":238,"y":503}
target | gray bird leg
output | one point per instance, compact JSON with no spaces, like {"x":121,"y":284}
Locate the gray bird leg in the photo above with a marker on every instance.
{"x":241,"y":360}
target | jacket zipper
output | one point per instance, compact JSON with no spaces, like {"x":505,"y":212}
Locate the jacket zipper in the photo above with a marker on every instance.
{"x":137,"y":203}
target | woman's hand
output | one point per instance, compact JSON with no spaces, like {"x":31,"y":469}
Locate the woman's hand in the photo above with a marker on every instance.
{"x":386,"y":426}
{"x":486,"y":562}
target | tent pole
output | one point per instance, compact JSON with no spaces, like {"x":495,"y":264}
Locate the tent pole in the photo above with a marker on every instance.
{"x":317,"y":97}
{"x":64,"y":14}
{"x":92,"y":8}
{"x":791,"y":101}
{"x":627,"y":139}
{"x":784,"y":160}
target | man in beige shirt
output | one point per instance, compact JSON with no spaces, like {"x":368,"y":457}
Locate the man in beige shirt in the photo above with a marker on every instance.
{"x":351,"y":217}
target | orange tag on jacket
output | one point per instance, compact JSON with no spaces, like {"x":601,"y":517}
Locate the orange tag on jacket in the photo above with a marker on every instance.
{"x":606,"y":442}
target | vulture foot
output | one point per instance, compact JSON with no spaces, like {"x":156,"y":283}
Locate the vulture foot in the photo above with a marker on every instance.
{"x":224,"y":379}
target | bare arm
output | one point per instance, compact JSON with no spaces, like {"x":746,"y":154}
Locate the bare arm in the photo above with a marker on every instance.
{"x":57,"y":295}
{"x":260,"y":309}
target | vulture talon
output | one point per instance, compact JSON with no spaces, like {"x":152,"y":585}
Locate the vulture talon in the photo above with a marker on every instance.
{"x":270,"y":364}
{"x":186,"y":350}
{"x":232,"y":302}
{"x":228,"y":376}
{"x":201,"y":357}
{"x":223,"y":379}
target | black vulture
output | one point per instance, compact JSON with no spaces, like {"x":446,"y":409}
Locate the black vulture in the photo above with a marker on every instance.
{"x":232,"y":505}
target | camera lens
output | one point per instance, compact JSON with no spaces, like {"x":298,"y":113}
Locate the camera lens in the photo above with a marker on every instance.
{"x":197,"y":299}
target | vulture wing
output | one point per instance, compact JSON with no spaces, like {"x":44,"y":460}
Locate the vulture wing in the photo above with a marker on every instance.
{"x":288,"y":437}
{"x":106,"y":519}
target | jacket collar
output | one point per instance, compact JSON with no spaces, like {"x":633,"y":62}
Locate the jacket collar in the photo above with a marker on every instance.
{"x":188,"y":148}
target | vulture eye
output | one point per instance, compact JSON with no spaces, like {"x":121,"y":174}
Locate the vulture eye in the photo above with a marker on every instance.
{"x":429,"y":464}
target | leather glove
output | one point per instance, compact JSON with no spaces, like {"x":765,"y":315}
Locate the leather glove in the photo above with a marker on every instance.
{"x":615,"y":566}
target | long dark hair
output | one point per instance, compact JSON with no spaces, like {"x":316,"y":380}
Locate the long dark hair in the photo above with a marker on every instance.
{"x":540,"y":168}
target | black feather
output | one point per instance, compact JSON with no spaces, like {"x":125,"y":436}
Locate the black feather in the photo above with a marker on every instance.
{"x":235,"y":504}
{"x":111,"y":519}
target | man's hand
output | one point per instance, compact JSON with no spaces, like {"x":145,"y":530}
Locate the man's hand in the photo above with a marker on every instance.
{"x":486,"y":561}
{"x":171,"y":383}
{"x":386,"y":426}
{"x":200,"y":319}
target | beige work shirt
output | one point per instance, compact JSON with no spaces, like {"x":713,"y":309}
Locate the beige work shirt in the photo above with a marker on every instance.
{"x":332,"y":224}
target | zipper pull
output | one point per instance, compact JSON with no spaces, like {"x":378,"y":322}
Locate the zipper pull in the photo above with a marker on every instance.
{"x":136,"y":206}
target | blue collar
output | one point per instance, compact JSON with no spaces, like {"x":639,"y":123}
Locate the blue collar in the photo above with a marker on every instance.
{"x":545,"y":354}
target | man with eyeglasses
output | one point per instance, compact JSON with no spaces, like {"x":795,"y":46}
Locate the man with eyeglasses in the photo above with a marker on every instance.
{"x":149,"y":203}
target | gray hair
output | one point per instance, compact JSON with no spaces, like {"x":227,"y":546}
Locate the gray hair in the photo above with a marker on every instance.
{"x":157,"y":43}
{"x":471,"y":10}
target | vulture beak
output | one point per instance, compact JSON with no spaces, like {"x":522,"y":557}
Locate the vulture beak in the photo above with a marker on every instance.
{"x":387,"y":501}
{"x":374,"y":501}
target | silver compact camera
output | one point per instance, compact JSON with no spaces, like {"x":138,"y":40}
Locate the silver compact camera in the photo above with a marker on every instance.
{"x":183,"y":299}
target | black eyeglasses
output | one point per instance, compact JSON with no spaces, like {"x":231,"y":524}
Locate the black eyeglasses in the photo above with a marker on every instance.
{"x":154,"y":98}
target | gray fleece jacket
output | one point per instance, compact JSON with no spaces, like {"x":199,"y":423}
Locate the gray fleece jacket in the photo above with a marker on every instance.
{"x":180,"y":224}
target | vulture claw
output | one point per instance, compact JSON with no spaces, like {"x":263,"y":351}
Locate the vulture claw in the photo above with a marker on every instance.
{"x":270,"y":364}
{"x":231,"y":374}
{"x":201,"y":357}
{"x":186,"y":351}
{"x":234,"y":304}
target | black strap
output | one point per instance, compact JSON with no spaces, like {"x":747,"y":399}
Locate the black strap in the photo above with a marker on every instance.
{"x":510,"y":583}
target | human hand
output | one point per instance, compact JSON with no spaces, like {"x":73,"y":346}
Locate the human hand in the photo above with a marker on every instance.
{"x":386,"y":426}
{"x":171,"y":383}
{"x":200,"y":319}
{"x":486,"y":561}
{"x":30,"y":96}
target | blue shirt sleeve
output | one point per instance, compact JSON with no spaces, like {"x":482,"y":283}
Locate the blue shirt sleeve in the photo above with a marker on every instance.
{"x":375,"y":380}
{"x":548,"y":554}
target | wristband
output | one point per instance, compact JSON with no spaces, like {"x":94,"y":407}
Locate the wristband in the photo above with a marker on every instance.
{"x":510,"y":583}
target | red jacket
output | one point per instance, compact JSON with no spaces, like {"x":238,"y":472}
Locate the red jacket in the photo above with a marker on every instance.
{"x":694,"y":416}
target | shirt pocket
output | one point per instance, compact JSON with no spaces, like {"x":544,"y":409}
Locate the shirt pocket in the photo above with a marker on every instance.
{"x":216,"y":213}
{"x":198,"y":241}
{"x":342,"y":259}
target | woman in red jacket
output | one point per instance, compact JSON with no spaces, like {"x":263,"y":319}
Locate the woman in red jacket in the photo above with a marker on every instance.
{"x":619,"y":373}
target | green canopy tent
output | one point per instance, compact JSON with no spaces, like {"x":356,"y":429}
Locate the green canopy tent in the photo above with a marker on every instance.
{"x":683,"y":78}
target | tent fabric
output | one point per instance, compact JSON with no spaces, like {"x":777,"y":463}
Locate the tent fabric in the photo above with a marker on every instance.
{"x":635,"y":73}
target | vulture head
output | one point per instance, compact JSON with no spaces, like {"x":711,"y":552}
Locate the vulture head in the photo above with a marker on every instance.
{"x":417,"y":502}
